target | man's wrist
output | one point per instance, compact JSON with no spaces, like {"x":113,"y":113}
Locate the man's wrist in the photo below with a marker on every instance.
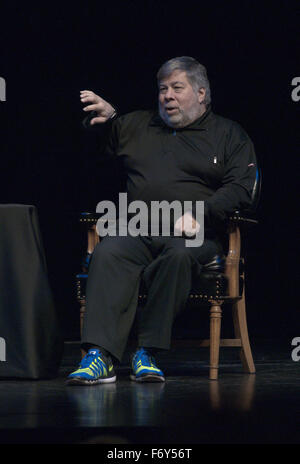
{"x":114,"y":115}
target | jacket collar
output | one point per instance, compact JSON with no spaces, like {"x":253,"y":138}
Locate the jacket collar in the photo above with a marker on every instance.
{"x":200,"y":123}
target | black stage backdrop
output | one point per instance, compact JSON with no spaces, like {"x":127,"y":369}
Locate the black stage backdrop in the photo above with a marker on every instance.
{"x":51,"y":52}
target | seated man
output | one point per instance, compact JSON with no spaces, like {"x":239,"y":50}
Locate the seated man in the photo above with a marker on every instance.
{"x":183,"y":152}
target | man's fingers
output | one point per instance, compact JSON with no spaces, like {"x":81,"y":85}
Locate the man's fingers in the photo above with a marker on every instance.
{"x":94,"y":107}
{"x":89,"y":96}
{"x":85,"y":95}
{"x":187,"y":224}
{"x":86,"y":92}
{"x":90,"y":99}
{"x":96,"y":103}
{"x":97,"y":120}
{"x":179,"y":226}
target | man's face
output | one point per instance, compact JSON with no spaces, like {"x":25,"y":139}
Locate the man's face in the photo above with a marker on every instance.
{"x":179,"y":104}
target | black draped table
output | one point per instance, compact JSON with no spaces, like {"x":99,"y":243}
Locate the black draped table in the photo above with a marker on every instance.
{"x":30,"y":339}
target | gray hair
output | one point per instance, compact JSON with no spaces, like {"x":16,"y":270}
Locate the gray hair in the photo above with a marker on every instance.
{"x":196,"y":73}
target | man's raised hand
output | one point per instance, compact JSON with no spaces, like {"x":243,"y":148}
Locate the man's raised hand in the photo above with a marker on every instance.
{"x":95,"y":103}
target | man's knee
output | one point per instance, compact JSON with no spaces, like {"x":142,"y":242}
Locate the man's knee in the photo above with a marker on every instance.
{"x":107,"y":248}
{"x":178,"y":254}
{"x":127,"y":248}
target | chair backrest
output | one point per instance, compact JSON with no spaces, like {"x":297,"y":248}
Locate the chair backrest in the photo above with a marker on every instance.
{"x":233,"y":259}
{"x":256,"y":192}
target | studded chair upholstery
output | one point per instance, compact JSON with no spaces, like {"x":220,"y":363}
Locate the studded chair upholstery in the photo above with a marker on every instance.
{"x":221,"y":281}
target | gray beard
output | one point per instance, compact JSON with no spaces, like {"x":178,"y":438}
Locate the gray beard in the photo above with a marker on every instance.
{"x":180,"y":120}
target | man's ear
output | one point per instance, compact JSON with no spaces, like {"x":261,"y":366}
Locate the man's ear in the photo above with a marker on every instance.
{"x":201,"y":94}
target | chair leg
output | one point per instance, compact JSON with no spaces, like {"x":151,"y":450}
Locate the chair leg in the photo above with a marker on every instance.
{"x":241,"y":331}
{"x":82,"y":312}
{"x":215,"y":330}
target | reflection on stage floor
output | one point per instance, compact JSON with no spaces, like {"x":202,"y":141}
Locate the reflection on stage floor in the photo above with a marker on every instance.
{"x":187,"y":408}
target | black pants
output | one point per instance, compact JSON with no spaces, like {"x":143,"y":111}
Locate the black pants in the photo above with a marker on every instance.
{"x":167,"y":267}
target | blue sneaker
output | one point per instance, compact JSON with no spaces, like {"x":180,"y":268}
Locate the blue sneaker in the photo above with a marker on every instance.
{"x":144,"y":367}
{"x":94,"y":368}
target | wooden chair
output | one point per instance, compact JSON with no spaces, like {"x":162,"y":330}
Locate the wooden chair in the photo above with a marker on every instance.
{"x":217,"y":284}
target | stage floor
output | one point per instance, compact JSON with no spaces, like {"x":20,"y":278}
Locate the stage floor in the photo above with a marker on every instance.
{"x":187,"y":409}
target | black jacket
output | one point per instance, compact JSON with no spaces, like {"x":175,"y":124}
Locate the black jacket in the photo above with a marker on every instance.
{"x":212,"y":160}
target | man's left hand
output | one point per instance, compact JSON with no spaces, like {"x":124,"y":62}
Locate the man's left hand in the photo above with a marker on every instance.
{"x":187,"y":225}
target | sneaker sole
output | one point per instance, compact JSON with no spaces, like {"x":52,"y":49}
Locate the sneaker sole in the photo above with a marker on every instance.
{"x":79,"y":381}
{"x":147,"y":378}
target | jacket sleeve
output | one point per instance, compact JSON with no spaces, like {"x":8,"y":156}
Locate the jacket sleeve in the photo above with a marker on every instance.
{"x":238,"y":181}
{"x":107,"y":133}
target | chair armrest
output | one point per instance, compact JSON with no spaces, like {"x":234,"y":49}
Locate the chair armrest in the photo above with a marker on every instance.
{"x":243,"y":217}
{"x":89,"y":218}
